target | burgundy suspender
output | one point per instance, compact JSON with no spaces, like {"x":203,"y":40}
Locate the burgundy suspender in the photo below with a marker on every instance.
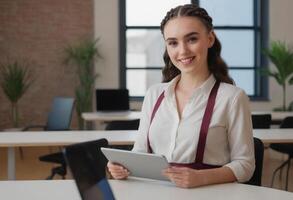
{"x":157,"y":105}
{"x":204,"y":125}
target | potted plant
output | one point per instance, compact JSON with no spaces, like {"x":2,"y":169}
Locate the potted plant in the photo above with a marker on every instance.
{"x":15,"y":79}
{"x":83,"y":56}
{"x":282,"y":57}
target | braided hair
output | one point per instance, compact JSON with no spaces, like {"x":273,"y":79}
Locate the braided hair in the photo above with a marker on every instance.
{"x":216,"y":64}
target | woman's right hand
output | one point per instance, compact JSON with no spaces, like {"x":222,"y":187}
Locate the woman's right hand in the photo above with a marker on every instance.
{"x":117,"y":171}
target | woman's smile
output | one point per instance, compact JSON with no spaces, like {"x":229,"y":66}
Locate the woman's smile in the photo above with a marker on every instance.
{"x":186,"y":61}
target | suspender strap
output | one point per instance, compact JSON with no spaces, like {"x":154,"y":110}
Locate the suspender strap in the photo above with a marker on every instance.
{"x":206,"y":123}
{"x":156,"y":107}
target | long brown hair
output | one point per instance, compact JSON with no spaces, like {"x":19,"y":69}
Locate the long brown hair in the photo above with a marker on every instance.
{"x":216,"y":64}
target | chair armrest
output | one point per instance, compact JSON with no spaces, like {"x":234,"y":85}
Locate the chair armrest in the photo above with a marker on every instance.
{"x":34,"y":126}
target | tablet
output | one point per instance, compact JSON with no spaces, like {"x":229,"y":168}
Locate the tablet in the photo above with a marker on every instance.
{"x":143,"y":165}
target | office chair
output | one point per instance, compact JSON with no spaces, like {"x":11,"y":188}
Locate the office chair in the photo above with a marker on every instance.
{"x":258,"y":152}
{"x":59,"y":119}
{"x":123,"y":125}
{"x":261,"y":121}
{"x":286,"y":148}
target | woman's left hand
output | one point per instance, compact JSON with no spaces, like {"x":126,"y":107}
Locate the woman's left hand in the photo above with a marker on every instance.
{"x":183,"y":177}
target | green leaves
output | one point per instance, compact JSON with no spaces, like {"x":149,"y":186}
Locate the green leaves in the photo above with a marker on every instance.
{"x":83,"y":56}
{"x":282,"y":57}
{"x":15,"y":80}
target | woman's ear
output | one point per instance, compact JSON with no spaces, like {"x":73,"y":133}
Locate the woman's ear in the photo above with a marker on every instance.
{"x":211,"y":38}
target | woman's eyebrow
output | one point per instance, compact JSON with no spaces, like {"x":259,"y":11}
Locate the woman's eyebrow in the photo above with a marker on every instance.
{"x":191,"y":34}
{"x":185,"y":36}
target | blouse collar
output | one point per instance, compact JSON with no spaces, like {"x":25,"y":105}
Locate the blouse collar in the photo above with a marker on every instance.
{"x":204,"y":88}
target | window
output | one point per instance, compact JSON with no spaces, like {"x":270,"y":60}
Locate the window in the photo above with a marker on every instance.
{"x":239,"y":25}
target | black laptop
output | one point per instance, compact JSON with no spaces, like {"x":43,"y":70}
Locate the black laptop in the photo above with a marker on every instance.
{"x":112,"y":100}
{"x":88,"y":167}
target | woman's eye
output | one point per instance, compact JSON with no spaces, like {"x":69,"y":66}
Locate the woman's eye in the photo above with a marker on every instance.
{"x":172,"y":43}
{"x":192,"y":39}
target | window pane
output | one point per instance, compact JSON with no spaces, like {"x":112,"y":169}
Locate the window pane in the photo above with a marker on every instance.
{"x":244,"y":79}
{"x":150,"y":12}
{"x":229,"y":12}
{"x":145,"y":48}
{"x":138,"y":81}
{"x":237,"y":47}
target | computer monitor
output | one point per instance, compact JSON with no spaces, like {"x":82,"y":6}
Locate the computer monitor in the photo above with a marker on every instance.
{"x":108,"y":100}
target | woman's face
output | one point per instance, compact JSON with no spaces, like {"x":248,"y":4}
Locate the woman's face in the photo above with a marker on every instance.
{"x":187,"y":41}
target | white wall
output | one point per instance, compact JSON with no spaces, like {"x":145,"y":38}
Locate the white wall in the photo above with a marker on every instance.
{"x":107,"y":28}
{"x":106,"y":25}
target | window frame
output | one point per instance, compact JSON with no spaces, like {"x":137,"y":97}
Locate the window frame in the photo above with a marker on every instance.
{"x":259,"y":27}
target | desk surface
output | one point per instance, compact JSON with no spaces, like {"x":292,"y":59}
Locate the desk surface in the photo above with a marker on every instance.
{"x":59,"y":138}
{"x":111,"y":116}
{"x":131,"y":115}
{"x":138,"y":189}
{"x":274,"y":135}
{"x":125,"y":137}
{"x":276,"y":116}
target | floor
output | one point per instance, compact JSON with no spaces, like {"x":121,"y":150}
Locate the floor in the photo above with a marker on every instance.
{"x":30,"y":168}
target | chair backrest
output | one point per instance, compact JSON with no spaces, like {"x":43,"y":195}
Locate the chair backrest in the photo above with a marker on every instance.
{"x":261,"y":121}
{"x":287,"y":123}
{"x":258,"y":152}
{"x":59,"y":118}
{"x":123,"y":125}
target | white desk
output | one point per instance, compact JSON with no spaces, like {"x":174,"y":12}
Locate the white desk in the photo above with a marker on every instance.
{"x":274,"y":135}
{"x":60,"y":138}
{"x":109,"y":116}
{"x":276,"y":116}
{"x":57,"y":138}
{"x":133,"y":189}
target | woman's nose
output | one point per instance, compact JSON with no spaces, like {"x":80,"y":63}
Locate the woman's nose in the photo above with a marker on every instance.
{"x":183,"y":48}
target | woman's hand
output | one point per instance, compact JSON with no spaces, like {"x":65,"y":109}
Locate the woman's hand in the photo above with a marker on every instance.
{"x":184,"y":177}
{"x":117,"y":171}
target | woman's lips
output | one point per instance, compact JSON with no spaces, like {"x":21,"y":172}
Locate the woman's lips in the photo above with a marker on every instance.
{"x":187,"y":61}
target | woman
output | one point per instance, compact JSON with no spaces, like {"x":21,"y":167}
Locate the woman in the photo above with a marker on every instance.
{"x":197,"y":119}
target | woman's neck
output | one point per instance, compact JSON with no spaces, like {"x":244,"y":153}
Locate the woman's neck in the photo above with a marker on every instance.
{"x":189,"y":82}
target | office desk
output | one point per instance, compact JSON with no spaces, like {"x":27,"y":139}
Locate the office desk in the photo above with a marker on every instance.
{"x":60,"y":138}
{"x":109,"y":116}
{"x":277,"y":117}
{"x":133,"y":189}
{"x":57,"y":138}
{"x":274,"y":135}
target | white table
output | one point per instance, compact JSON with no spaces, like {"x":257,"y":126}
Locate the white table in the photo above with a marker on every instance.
{"x":109,"y":116}
{"x":274,"y":135}
{"x":60,"y":138}
{"x":133,"y":189}
{"x":57,"y":138}
{"x":277,"y":117}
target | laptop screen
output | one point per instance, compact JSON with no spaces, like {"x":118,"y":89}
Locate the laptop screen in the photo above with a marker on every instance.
{"x":112,"y":99}
{"x":87,"y":164}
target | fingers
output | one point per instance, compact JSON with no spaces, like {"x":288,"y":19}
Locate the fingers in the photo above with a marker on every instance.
{"x":179,"y":176}
{"x":117,"y":171}
{"x":177,"y":170}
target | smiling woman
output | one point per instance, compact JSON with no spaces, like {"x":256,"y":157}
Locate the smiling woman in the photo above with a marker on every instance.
{"x":197,"y":119}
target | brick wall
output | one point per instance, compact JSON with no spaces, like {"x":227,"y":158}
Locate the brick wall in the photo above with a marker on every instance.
{"x":37,"y":31}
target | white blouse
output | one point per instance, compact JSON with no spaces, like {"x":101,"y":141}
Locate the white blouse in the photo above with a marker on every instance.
{"x":229,"y":140}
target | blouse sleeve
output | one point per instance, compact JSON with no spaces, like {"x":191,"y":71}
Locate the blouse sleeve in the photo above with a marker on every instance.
{"x":140,"y":144}
{"x":241,"y":138}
